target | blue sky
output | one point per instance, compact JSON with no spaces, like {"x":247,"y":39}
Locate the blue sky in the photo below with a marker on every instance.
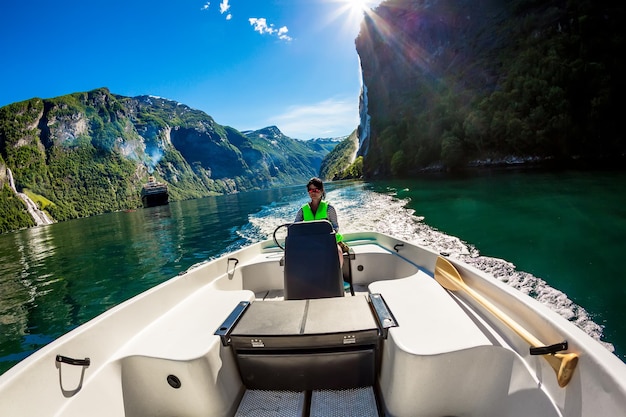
{"x":247,"y":63}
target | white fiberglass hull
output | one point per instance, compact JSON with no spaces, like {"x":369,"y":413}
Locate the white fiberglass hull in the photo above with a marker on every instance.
{"x":157,"y":354}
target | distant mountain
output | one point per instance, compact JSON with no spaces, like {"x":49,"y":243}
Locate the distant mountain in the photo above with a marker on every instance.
{"x":286,"y":156}
{"x":342,"y":162}
{"x":325,"y":145}
{"x":91,"y":152}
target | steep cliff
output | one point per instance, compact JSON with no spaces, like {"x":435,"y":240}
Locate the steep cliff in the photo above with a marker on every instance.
{"x":88,"y":153}
{"x":342,"y":162}
{"x":450,"y":83}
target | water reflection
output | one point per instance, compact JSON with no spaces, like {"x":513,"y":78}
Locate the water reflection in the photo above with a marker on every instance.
{"x":57,"y":277}
{"x":24,"y":281}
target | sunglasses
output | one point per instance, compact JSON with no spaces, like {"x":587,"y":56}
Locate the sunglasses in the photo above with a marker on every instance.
{"x":314,"y":190}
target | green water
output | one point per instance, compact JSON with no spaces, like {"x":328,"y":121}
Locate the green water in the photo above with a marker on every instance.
{"x":568,"y":228}
{"x":564,"y":228}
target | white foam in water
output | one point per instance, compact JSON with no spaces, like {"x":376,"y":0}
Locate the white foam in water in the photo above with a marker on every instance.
{"x":361,"y":209}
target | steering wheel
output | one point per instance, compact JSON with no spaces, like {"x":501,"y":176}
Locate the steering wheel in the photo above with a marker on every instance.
{"x":276,"y":230}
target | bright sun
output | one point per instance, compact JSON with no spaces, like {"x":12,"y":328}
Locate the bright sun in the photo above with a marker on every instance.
{"x":352,"y":11}
{"x":358,"y":5}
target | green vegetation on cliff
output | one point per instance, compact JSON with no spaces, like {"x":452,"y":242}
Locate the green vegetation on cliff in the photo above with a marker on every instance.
{"x":91,"y":152}
{"x":340,"y":162}
{"x":13,"y":214}
{"x":451,"y":83}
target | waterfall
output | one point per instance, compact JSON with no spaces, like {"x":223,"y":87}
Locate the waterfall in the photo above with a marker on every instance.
{"x":11,"y":183}
{"x":364,"y":125}
{"x":38,"y":216}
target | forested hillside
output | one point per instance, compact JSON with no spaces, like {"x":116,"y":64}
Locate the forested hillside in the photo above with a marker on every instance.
{"x":341,"y":163}
{"x":90,"y":153}
{"x":452,"y":83}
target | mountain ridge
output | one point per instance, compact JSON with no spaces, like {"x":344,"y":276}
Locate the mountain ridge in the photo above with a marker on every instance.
{"x":90,"y":152}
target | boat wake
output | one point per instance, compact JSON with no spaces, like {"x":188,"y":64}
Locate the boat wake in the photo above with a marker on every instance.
{"x":362,"y":209}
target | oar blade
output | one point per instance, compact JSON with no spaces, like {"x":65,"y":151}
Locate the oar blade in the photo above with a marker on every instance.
{"x":568,"y":366}
{"x":447,"y":275}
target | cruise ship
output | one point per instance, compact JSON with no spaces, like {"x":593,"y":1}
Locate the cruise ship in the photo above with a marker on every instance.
{"x":154,"y":193}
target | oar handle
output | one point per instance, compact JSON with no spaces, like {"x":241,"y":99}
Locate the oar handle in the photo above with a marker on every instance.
{"x":515,"y":326}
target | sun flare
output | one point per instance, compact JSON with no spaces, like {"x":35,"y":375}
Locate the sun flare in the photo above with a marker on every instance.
{"x":358,"y":5}
{"x":352,"y":12}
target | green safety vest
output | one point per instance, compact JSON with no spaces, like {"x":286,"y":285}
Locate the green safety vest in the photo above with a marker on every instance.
{"x":320,"y":214}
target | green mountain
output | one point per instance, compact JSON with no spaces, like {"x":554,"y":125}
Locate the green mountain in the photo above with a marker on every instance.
{"x":454,"y":83}
{"x":287,"y":155}
{"x":342,"y":162}
{"x":89,"y":153}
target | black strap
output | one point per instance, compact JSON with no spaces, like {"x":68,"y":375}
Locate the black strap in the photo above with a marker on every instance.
{"x":548,"y":350}
{"x":72,"y":361}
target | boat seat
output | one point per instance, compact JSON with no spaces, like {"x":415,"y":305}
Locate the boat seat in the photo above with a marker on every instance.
{"x":320,"y":344}
{"x":312,"y":268}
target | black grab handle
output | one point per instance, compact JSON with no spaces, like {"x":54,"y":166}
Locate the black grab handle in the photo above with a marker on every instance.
{"x":549,"y":350}
{"x":72,"y":361}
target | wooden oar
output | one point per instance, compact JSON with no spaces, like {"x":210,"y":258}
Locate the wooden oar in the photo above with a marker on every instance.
{"x":563,"y":364}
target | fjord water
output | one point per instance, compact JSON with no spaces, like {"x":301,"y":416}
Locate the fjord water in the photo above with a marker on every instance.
{"x":556,"y":236}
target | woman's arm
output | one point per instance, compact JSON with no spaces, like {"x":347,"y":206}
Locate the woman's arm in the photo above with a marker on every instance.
{"x":332,"y":218}
{"x":299,"y":216}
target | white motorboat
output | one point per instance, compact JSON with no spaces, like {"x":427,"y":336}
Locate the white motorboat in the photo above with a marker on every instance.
{"x":267,"y":332}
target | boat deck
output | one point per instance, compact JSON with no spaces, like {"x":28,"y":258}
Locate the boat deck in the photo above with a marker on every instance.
{"x":320,"y":403}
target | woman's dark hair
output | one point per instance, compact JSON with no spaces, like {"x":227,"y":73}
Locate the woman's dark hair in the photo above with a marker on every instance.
{"x":318,"y":184}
